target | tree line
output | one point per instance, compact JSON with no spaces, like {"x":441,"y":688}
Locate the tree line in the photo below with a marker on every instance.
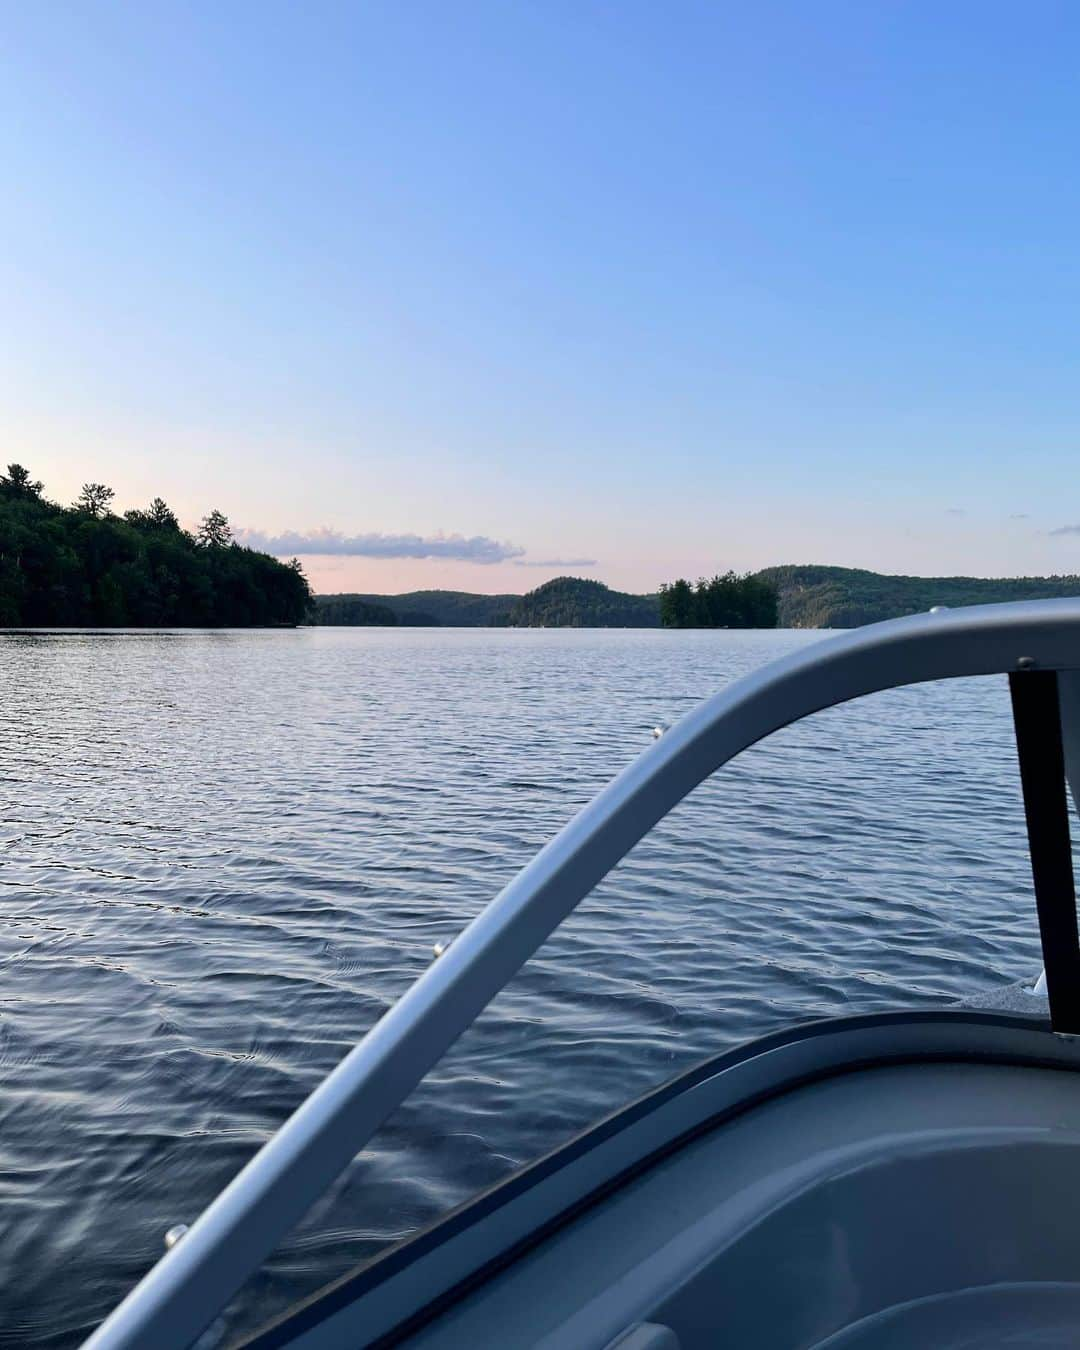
{"x":351,"y":612}
{"x":85,"y":566}
{"x":815,"y":596}
{"x":722,"y":601}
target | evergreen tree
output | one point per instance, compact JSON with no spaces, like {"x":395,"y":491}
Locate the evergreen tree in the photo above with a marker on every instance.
{"x":16,"y":483}
{"x":215,"y":531}
{"x":161,"y":517}
{"x":157,"y":516}
{"x":677,"y":605}
{"x":95,"y":499}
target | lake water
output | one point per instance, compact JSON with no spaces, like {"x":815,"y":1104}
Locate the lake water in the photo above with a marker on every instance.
{"x":225,"y":854}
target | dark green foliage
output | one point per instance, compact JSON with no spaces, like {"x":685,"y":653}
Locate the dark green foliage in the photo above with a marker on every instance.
{"x":353,"y":611}
{"x":349,"y":612}
{"x":724,"y":601}
{"x":156,"y":517}
{"x":17,"y":484}
{"x":678,"y":605}
{"x":84,"y":567}
{"x":454,"y":609}
{"x":95,"y":499}
{"x":845,"y":597}
{"x":574,"y":602}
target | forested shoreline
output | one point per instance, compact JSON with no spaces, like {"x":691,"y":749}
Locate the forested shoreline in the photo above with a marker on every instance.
{"x":805,"y":596}
{"x":725,"y":601}
{"x":85,"y":566}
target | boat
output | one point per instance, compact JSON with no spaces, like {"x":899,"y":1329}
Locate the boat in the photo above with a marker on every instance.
{"x":907,"y":1178}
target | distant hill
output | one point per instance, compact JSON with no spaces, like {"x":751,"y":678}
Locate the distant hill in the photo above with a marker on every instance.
{"x":810,"y":596}
{"x":566,"y":602}
{"x":573,"y":602}
{"x":845,"y":597}
{"x":455,"y":609}
{"x":349,"y":611}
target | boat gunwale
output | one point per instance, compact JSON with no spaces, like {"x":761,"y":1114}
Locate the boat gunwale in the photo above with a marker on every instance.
{"x":1047,"y":1051}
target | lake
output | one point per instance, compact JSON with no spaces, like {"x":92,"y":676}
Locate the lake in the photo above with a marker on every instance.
{"x":226,"y":853}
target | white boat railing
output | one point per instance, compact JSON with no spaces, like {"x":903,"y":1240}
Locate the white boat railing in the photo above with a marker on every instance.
{"x":1030,"y":641}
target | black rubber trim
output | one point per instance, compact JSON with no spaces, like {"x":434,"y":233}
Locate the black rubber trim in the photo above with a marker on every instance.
{"x":1037,"y":718}
{"x":307,"y":1314}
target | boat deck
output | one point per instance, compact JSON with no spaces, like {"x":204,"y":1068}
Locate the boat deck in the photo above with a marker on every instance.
{"x":879,"y":1194}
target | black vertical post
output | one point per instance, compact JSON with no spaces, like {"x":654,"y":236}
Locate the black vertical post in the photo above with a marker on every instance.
{"x":1037,"y":718}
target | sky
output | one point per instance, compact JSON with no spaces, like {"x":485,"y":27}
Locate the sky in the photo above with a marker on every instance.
{"x":446,"y":293}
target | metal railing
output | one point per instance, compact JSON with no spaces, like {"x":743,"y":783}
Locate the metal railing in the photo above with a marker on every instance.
{"x":188,"y":1287}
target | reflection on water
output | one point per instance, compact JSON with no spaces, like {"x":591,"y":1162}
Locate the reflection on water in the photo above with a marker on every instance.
{"x":225,"y":854}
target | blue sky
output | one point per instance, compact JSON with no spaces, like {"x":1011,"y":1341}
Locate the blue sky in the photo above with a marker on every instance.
{"x":645,"y":288}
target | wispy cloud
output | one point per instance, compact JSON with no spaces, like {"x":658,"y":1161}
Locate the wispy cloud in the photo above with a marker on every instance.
{"x":1020,"y":515}
{"x":555,"y":562}
{"x":1065,"y":529}
{"x":955,"y":511}
{"x":477,"y":548}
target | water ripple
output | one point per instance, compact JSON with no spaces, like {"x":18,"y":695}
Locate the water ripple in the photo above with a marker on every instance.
{"x":226,"y":854}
